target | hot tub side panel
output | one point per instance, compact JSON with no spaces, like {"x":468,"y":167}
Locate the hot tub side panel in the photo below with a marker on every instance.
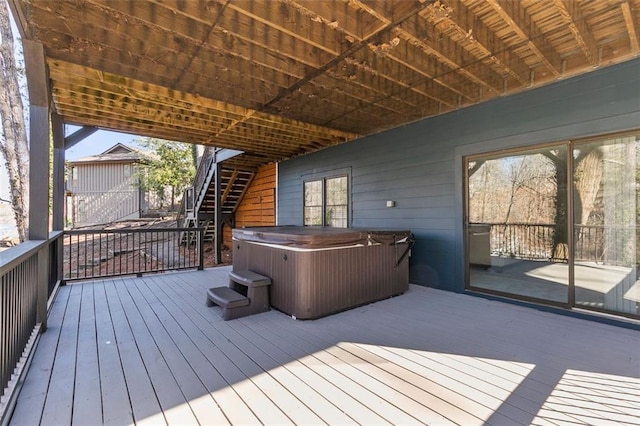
{"x":312,"y":284}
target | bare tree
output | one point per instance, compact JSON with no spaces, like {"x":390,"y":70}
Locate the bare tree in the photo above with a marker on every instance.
{"x":14,"y":145}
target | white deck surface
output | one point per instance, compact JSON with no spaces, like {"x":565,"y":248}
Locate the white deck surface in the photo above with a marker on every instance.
{"x":147,"y":350}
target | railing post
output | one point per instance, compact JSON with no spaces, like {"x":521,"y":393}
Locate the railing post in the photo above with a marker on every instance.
{"x":60,"y":257}
{"x":217,"y":219}
{"x":42,"y":287}
{"x":201,"y":249}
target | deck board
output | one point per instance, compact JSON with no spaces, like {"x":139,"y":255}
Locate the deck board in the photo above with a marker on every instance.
{"x":116,"y":405}
{"x":87,"y":401}
{"x":144,"y":402}
{"x":259,"y":405}
{"x":172,"y":400}
{"x":34,"y":391}
{"x":148,"y":350}
{"x":59,"y":402}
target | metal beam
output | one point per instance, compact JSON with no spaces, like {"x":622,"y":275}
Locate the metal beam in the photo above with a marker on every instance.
{"x":79,"y":135}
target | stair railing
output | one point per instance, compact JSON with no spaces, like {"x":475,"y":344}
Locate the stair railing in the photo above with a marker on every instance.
{"x":203,"y":177}
{"x":186,"y":207}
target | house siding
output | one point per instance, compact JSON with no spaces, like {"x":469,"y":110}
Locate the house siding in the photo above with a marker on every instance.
{"x":107,"y":193}
{"x":257,"y":207}
{"x":419,"y":165}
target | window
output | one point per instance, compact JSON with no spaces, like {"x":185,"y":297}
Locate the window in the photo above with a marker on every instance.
{"x":326,"y":202}
{"x":74,"y":177}
{"x":81,"y":207}
{"x":313,"y":203}
{"x":127,"y":170}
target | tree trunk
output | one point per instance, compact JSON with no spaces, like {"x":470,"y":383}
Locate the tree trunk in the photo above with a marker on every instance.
{"x":560,"y":235}
{"x":14,"y":145}
{"x":588,"y":176}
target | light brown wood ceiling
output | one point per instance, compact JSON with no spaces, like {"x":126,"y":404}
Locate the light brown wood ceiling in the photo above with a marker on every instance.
{"x":278,"y":78}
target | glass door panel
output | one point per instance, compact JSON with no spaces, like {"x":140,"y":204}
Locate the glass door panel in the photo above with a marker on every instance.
{"x":517,"y":235}
{"x":606,"y":210}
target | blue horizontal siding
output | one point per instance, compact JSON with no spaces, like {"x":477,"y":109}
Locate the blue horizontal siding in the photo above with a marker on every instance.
{"x":419,"y":165}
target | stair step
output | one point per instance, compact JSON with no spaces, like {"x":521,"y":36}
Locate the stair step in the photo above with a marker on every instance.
{"x":249,"y":278}
{"x":226,"y":297}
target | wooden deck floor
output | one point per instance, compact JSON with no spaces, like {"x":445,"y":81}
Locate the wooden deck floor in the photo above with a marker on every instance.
{"x":147,"y":350}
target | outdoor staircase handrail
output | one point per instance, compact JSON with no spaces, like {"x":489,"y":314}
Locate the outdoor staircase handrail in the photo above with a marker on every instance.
{"x":203,"y":177}
{"x":206,"y":171}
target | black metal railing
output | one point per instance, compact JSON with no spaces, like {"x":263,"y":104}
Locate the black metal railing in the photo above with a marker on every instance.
{"x":90,"y":254}
{"x":55,"y":261}
{"x":203,"y":176}
{"x":611,"y":245}
{"x":22,"y":310}
{"x":522,"y":240}
{"x":592,"y":243}
{"x":186,"y":207}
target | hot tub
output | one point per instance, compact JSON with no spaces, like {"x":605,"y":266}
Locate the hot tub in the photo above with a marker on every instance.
{"x":320,"y":271}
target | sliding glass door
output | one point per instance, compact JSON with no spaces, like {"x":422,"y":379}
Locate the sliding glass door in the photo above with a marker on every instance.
{"x":557,"y":224}
{"x":606,"y":209}
{"x":517,"y":226}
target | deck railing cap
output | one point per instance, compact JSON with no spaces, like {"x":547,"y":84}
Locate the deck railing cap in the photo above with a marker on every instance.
{"x":13,"y":256}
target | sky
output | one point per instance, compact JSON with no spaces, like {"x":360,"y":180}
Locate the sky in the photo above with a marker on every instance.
{"x":97,"y":143}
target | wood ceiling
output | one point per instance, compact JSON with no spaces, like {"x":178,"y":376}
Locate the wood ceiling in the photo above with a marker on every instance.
{"x":279,"y":78}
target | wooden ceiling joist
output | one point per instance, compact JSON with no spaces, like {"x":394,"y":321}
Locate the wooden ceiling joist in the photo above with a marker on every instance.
{"x":520,"y":22}
{"x":573,"y":17}
{"x":280,"y":78}
{"x":472,"y":30}
{"x":633,"y":26}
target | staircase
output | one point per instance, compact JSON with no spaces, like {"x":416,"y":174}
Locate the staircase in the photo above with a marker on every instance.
{"x":199,"y":202}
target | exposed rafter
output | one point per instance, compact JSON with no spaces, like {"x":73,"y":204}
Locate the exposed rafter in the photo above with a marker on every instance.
{"x":522,"y":24}
{"x":473,"y":31}
{"x":452,"y":55}
{"x":389,"y":26}
{"x":573,"y":17}
{"x":632,"y":26}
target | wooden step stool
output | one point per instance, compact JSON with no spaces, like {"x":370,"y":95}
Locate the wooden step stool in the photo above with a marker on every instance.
{"x":247,"y":294}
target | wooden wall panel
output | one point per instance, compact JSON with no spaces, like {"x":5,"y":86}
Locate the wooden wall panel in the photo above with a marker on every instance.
{"x":258,"y":206}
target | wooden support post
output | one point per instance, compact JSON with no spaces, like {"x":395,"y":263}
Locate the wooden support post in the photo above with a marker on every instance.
{"x":58,"y":196}
{"x":217,"y":240}
{"x":39,"y":115}
{"x":57,"y":130}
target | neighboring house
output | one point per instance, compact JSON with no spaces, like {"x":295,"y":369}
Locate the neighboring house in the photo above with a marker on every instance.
{"x":104,"y":188}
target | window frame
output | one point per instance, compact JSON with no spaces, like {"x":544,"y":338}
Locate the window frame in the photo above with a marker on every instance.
{"x":323,"y":178}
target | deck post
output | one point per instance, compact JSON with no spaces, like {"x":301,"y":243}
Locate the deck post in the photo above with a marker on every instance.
{"x":201,"y":249}
{"x":57,"y":130}
{"x":58,"y":187}
{"x":39,"y":115}
{"x":217,"y":220}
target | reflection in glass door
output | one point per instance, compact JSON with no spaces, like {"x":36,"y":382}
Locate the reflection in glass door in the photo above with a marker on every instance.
{"x":517,"y":224}
{"x":606,"y":179}
{"x":520,"y":242}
